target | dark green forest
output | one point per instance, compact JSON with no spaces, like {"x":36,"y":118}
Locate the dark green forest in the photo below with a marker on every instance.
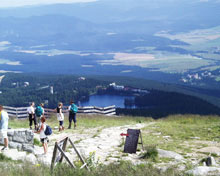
{"x":161,"y":101}
{"x":65,"y":88}
{"x":159,"y":104}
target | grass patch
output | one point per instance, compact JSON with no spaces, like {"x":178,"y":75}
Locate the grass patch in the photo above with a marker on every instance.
{"x":77,"y":142}
{"x":151,"y":153}
{"x":123,"y":168}
{"x":37,"y":142}
{"x":4,"y":158}
{"x":85,"y":122}
{"x":181,"y":129}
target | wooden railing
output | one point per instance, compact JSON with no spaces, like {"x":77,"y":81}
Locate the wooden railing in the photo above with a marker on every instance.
{"x":21,"y":112}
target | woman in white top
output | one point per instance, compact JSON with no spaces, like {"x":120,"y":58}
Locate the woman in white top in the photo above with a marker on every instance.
{"x":43,"y":138}
{"x":60,"y":116}
{"x":31,"y":114}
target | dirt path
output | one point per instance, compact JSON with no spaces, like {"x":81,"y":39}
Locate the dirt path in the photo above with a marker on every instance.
{"x":106,"y":143}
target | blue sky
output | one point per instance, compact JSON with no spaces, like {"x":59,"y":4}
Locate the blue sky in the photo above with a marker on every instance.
{"x":20,"y":3}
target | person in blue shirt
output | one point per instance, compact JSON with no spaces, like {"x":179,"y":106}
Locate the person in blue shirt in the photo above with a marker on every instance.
{"x":72,"y":114}
{"x":4,"y":127}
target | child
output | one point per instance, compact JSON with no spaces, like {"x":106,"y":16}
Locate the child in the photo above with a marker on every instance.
{"x":43,"y":138}
{"x":60,"y":116}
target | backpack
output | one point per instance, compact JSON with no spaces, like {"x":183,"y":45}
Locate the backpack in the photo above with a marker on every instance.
{"x":48,"y":131}
{"x":38,"y":111}
{"x":73,"y":108}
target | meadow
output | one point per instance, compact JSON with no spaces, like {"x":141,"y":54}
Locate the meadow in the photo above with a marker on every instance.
{"x":184,"y":134}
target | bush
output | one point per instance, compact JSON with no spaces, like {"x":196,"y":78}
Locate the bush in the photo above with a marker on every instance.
{"x":4,"y":158}
{"x":37,"y":142}
{"x":151,"y":153}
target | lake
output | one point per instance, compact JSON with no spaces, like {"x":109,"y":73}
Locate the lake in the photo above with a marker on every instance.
{"x":106,"y":100}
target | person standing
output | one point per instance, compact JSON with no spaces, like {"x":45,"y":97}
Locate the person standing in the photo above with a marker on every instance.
{"x":31,"y":114}
{"x":43,"y":137}
{"x":60,"y":116}
{"x":4,"y":127}
{"x":72,"y":114}
{"x":39,"y":112}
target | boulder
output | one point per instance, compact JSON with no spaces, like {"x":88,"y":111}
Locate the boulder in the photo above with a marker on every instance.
{"x":19,"y":136}
{"x":204,"y":170}
{"x":170,"y":154}
{"x":10,"y":132}
{"x":14,"y":154}
{"x":31,"y":158}
{"x":208,"y":150}
{"x":30,"y":136}
{"x":210,"y":161}
{"x":28,"y":148}
{"x":15,"y":145}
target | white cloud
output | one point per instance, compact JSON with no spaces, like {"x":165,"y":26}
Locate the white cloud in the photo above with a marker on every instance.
{"x":4,"y":43}
{"x":20,"y":3}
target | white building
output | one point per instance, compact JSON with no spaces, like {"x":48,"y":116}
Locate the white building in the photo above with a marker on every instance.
{"x":51,"y":90}
{"x":117,"y":87}
{"x":26,"y":84}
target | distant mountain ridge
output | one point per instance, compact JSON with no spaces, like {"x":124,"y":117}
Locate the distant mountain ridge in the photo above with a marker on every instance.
{"x":194,"y":14}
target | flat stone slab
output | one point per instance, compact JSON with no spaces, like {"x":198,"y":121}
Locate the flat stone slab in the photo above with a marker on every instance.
{"x":170,"y":154}
{"x":214,"y":150}
{"x":204,"y":170}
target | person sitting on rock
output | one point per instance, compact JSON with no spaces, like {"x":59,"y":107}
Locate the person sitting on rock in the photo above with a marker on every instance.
{"x":4,"y":127}
{"x":43,"y":137}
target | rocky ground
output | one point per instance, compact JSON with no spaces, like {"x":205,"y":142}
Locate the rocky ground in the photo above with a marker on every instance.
{"x":106,"y":144}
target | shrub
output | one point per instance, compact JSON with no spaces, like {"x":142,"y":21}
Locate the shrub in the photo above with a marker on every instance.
{"x":151,"y":153}
{"x":37,"y":142}
{"x":4,"y":158}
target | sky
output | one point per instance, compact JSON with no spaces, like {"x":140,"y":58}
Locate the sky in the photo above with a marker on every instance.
{"x":20,"y":3}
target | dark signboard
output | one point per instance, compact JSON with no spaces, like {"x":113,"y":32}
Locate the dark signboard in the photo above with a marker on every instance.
{"x":131,"y":141}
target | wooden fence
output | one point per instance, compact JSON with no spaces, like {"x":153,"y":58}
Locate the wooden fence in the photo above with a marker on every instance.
{"x":21,"y":112}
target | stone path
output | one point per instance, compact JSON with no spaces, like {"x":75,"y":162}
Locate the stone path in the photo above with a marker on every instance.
{"x":106,"y":143}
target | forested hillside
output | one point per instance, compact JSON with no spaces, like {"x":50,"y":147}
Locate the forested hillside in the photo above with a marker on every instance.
{"x":161,"y":100}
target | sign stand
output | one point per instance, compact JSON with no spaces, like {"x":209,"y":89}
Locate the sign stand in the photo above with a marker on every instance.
{"x":132,"y":138}
{"x":59,"y":153}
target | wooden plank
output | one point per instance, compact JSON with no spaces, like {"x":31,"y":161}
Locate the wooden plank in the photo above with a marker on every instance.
{"x":10,"y":115}
{"x":110,"y":114}
{"x":10,"y":111}
{"x":64,"y":148}
{"x":109,"y":111}
{"x":54,"y":157}
{"x":21,"y":108}
{"x":109,"y":107}
{"x":50,"y":110}
{"x":22,"y":115}
{"x":64,"y":155}
{"x":8,"y":107}
{"x":61,"y":139}
{"x":141,"y":140}
{"x":22,"y":112}
{"x":80,"y":157}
